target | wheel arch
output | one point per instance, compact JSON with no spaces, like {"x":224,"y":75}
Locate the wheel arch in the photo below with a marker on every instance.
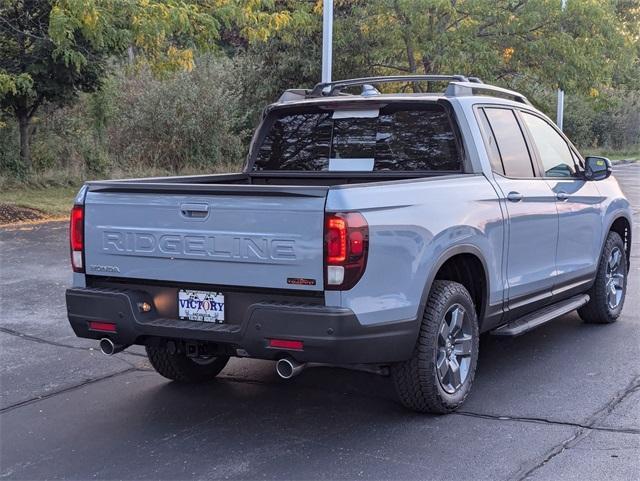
{"x":622,"y":226}
{"x":465,"y":264}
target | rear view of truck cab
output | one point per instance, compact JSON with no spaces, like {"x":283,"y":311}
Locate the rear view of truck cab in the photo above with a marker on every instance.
{"x":364,"y":230}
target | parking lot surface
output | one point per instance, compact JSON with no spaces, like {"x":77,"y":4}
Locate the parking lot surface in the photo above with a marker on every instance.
{"x":562,"y":402}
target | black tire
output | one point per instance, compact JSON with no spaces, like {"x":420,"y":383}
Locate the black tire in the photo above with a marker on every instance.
{"x":598,"y":309}
{"x":179,"y":367}
{"x":418,"y":385}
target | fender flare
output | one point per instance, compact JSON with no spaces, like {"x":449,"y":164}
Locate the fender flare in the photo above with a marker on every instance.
{"x":615,"y":217}
{"x":444,"y":257}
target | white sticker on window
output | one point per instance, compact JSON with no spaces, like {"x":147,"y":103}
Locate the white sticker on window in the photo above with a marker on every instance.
{"x":351,"y":165}
{"x":356,"y":114}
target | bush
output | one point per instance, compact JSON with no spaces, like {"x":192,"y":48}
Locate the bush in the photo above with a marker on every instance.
{"x":138,"y":124}
{"x":186,"y":121}
{"x":609,"y":121}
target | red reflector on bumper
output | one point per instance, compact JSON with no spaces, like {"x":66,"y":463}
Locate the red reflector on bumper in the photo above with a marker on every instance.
{"x":102,"y":326}
{"x":286,"y":344}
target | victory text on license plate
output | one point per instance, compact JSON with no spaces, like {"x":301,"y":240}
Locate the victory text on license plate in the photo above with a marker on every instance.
{"x":201,"y":306}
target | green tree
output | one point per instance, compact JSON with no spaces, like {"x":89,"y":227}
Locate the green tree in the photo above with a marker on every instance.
{"x":52,"y":50}
{"x":29,"y":73}
{"x":531,"y":45}
{"x":512,"y":41}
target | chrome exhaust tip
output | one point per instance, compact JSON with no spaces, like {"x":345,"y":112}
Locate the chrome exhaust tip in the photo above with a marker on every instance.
{"x":109,"y":348}
{"x":287,"y":368}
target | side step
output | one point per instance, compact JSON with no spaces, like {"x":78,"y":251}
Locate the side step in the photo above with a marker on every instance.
{"x":538,"y":318}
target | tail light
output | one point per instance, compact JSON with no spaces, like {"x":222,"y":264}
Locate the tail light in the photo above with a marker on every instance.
{"x":76,"y":237}
{"x":346,"y":244}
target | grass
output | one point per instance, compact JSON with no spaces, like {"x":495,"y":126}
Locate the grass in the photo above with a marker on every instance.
{"x":55,"y":201}
{"x":53,"y":192}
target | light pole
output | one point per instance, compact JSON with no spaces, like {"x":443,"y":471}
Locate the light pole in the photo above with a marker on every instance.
{"x":327,"y":39}
{"x":560,"y":107}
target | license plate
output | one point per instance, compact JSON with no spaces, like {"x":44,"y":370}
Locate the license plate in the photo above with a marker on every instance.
{"x":201,"y":306}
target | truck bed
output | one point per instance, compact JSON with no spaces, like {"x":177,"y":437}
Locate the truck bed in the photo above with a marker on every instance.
{"x":231,"y":182}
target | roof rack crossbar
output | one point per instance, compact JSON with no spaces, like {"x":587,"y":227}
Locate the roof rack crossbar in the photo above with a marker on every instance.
{"x":331,"y":88}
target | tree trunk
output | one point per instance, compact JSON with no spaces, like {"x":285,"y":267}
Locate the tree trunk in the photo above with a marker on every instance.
{"x":408,"y":42}
{"x":25,"y":150}
{"x":426,"y":65}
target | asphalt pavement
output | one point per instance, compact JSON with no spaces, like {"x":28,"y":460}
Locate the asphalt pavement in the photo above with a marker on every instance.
{"x":562,"y":402}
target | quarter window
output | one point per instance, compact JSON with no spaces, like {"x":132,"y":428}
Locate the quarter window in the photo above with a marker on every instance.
{"x":555,"y":154}
{"x":511,"y":144}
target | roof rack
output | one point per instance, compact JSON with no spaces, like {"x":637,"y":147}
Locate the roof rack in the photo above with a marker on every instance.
{"x":459,"y":86}
{"x":332,"y":88}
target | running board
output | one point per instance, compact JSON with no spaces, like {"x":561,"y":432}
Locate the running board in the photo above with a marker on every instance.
{"x":538,"y":318}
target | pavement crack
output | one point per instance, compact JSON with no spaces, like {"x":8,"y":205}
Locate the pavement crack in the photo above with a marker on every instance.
{"x":29,"y":337}
{"x":583,"y":430}
{"x":536,"y":420}
{"x":52,"y":394}
{"x":555,"y":451}
{"x":604,"y":411}
{"x":523,"y":419}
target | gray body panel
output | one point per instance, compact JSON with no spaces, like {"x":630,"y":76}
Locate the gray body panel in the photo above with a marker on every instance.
{"x":580,"y":229}
{"x":532,"y":238}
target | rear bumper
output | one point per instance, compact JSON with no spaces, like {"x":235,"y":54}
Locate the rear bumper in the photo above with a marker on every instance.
{"x":330,"y":334}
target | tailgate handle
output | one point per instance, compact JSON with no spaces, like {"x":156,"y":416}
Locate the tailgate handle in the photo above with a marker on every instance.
{"x":195,"y":211}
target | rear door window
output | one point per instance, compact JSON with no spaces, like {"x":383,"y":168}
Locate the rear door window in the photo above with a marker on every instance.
{"x":397,"y":138}
{"x":511,"y":143}
{"x":490,"y":142}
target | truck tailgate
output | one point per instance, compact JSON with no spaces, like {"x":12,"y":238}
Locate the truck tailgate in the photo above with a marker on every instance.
{"x":238,"y":236}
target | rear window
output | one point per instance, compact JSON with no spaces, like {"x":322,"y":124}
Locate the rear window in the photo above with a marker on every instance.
{"x":392,"y":138}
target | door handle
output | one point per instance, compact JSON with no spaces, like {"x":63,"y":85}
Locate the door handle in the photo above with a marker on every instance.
{"x":562,"y":195}
{"x":515,"y":196}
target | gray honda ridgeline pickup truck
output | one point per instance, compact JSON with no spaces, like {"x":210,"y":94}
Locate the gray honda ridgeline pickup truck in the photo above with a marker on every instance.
{"x":372,"y":230}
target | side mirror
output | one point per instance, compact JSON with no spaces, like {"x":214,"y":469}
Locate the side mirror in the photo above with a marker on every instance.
{"x":597,"y":168}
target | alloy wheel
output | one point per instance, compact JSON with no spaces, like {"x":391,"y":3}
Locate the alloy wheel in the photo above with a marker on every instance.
{"x":455,"y":343}
{"x":614,"y":278}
